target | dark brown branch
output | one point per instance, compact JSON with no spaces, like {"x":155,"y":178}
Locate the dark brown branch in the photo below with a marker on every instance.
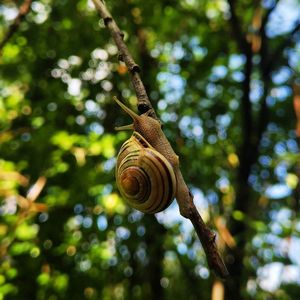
{"x":23,"y":11}
{"x":262,"y":122}
{"x":264,"y":40}
{"x":242,"y":199}
{"x":245,"y":48}
{"x":266,"y":68}
{"x":237,"y":29}
{"x":268,"y":13}
{"x":274,"y":58}
{"x":188,"y":210}
{"x":246,"y":103}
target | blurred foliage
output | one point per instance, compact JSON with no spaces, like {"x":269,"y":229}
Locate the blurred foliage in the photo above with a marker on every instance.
{"x":64,"y":232}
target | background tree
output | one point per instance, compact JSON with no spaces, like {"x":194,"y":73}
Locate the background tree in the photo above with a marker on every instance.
{"x":224,"y":79}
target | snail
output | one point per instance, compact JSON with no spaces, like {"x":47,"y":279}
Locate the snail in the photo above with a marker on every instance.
{"x":146,"y":165}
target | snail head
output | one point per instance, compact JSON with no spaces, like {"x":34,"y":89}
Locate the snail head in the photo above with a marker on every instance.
{"x":143,"y":124}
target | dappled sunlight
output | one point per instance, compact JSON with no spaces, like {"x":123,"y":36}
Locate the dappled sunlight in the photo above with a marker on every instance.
{"x":223,"y":77}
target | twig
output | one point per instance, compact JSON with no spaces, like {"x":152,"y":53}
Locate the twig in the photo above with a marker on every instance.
{"x":23,"y":11}
{"x":268,"y":13}
{"x":274,"y":58}
{"x":188,"y":210}
{"x":144,"y":104}
{"x":245,"y":47}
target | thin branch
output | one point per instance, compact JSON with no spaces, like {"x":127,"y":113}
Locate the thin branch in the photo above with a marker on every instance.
{"x":262,"y":121}
{"x":206,"y":236}
{"x":266,"y":68}
{"x":246,"y":103}
{"x":245,"y":48}
{"x":268,"y":13}
{"x":144,"y":104}
{"x":274,"y":58}
{"x":296,"y":104}
{"x":188,"y":210}
{"x":236,"y":27}
{"x":264,"y":40}
{"x":208,"y":241}
{"x":23,"y":11}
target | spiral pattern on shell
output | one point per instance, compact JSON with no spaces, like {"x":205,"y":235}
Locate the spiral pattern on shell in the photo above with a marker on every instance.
{"x":145,"y":178}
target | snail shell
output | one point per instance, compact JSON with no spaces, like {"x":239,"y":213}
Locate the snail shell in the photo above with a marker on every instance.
{"x":144,"y":177}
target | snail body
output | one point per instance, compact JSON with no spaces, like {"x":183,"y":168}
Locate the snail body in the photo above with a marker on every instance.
{"x":146,"y":165}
